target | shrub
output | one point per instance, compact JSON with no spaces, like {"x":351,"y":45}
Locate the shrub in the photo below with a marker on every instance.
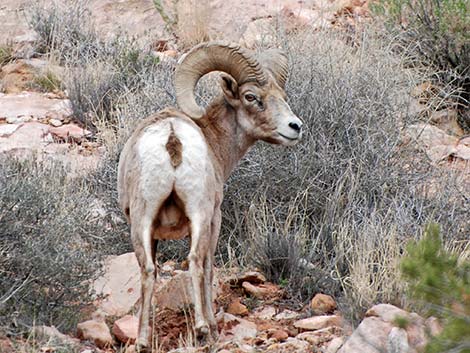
{"x":5,"y":54}
{"x":437,"y":33}
{"x":51,"y":242}
{"x":332,"y":214}
{"x":441,"y":285}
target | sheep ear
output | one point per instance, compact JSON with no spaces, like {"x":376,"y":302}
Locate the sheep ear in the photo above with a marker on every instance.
{"x":229,"y":87}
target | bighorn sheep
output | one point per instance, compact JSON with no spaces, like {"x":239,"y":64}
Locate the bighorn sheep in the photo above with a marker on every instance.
{"x":173,"y":167}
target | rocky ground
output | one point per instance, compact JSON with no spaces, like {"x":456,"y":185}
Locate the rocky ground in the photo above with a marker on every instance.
{"x":253,"y":316}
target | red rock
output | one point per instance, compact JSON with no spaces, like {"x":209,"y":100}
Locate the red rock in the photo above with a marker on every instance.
{"x":237,"y":308}
{"x":96,"y":332}
{"x":261,"y":291}
{"x":279,"y":335}
{"x":322,"y":304}
{"x":126,"y":329}
{"x":69,"y":133}
{"x":318,"y":322}
{"x":235,"y":328}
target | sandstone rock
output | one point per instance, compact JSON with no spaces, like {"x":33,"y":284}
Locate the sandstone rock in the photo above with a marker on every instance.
{"x":261,"y":291}
{"x":433,"y":326}
{"x":265,"y":313}
{"x":253,"y":277}
{"x":96,"y":332}
{"x":436,"y":143}
{"x":36,"y":105}
{"x":8,"y":129}
{"x":279,"y":335}
{"x":416,"y":332}
{"x":387,"y":312}
{"x":397,"y":341}
{"x":174,"y":293}
{"x":69,"y":133}
{"x":322,"y":304}
{"x":50,"y":333}
{"x":370,"y":337}
{"x":447,"y":121}
{"x":335,"y":344}
{"x":126,"y":329}
{"x":55,"y":122}
{"x":287,"y":315}
{"x":318,"y":322}
{"x":292,"y":345}
{"x":235,"y":328}
{"x":119,"y":284}
{"x":19,"y":119}
{"x":237,"y":308}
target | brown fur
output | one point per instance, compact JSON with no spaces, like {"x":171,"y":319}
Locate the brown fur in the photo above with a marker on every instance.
{"x":175,"y":149}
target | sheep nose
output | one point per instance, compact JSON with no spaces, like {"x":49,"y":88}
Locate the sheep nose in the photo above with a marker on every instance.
{"x":295,"y":126}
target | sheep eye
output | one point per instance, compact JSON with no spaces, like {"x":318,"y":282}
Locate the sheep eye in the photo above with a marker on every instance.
{"x":250,"y":97}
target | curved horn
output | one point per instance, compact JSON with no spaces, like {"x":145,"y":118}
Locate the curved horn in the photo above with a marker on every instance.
{"x":276,"y":62}
{"x":213,"y":56}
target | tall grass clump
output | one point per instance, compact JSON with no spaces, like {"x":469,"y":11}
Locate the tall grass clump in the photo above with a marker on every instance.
{"x":332,"y":213}
{"x":435,"y":33}
{"x":53,"y":237}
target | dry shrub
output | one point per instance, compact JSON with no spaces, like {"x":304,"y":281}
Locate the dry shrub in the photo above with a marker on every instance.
{"x":337,"y":208}
{"x":53,"y":237}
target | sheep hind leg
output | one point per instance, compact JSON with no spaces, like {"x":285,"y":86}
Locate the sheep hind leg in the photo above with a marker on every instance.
{"x":197,"y":255}
{"x":144,"y":250}
{"x":209,"y":271}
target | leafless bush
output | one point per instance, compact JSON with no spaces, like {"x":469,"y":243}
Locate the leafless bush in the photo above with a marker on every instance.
{"x":52,"y":240}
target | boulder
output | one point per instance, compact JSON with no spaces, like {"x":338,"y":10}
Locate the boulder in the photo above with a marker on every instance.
{"x":335,"y":344}
{"x":397,"y":341}
{"x":322,"y":304}
{"x":95,"y":331}
{"x":119,"y":285}
{"x":126,"y":329}
{"x":370,"y":336}
{"x":318,"y":322}
{"x":234,"y":328}
{"x":387,"y":312}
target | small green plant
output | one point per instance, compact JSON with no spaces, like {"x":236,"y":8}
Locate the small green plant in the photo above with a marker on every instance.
{"x":47,"y":82}
{"x":442,"y":285}
{"x":5,"y":54}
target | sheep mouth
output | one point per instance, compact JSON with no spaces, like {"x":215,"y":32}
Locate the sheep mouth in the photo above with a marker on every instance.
{"x":288,"y":138}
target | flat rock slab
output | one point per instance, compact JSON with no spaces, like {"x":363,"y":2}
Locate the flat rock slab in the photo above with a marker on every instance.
{"x":119,"y":284}
{"x":39,"y":106}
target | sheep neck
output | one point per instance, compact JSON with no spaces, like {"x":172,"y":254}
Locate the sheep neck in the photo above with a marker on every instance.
{"x":227,"y":140}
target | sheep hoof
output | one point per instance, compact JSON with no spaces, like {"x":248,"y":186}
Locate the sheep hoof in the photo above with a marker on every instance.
{"x":141,"y":347}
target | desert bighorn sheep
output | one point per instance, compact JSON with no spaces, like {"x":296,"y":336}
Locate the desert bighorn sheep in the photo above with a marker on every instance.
{"x":173,"y":167}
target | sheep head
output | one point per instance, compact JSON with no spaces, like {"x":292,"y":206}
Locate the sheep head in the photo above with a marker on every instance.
{"x":253,"y":87}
